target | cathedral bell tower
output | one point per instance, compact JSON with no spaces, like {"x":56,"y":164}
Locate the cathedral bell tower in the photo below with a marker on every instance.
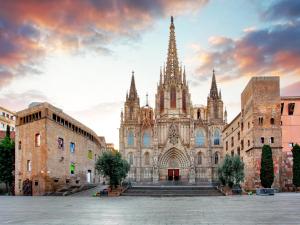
{"x":132,"y":104}
{"x":214,"y":102}
{"x":172,"y":97}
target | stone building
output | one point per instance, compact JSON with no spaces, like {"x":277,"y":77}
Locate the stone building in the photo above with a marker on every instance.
{"x":290,"y":125}
{"x":257,"y":124}
{"x":7,"y":119}
{"x":175,"y":141}
{"x":53,"y":150}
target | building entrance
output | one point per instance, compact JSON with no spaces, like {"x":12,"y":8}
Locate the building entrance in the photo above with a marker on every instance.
{"x":173,"y":174}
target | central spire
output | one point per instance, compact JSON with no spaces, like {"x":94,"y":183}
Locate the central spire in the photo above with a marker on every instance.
{"x":172,"y":70}
{"x":132,"y":92}
{"x":214,"y":89}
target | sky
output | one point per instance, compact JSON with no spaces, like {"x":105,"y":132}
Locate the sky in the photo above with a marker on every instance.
{"x":79,"y":55}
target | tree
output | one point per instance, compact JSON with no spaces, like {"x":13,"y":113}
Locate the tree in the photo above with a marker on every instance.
{"x":111,"y":164}
{"x":267,"y":167}
{"x":7,"y":161}
{"x":231,"y":171}
{"x":238,"y":170}
{"x":296,"y":165}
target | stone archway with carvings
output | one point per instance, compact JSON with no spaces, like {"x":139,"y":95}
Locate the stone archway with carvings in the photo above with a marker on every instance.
{"x":174,"y":158}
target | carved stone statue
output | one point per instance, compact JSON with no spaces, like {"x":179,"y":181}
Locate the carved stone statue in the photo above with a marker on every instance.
{"x":173,"y":134}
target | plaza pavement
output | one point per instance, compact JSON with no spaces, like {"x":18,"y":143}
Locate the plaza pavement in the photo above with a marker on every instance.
{"x":281,"y":209}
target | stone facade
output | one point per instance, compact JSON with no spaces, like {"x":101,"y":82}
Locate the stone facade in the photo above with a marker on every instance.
{"x":7,"y":118}
{"x":256,"y":125}
{"x":176,"y":141}
{"x":53,"y":150}
{"x":290,"y":125}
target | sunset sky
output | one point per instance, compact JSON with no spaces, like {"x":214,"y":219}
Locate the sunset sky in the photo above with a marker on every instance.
{"x":78,"y":55}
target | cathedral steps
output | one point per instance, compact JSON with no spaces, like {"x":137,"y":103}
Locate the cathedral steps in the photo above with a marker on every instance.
{"x":172,"y":191}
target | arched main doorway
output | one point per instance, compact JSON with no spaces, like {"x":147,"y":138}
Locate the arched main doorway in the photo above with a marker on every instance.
{"x":173,"y":165}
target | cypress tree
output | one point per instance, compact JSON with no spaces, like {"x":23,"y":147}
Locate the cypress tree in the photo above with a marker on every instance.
{"x":296,"y":165}
{"x":267,"y":167}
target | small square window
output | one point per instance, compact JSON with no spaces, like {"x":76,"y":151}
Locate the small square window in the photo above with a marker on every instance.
{"x":272,"y":140}
{"x":262,"y":140}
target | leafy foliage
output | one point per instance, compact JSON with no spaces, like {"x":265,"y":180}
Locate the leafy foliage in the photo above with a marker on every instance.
{"x":267,"y":167}
{"x":231,"y":171}
{"x":296,"y":165}
{"x":7,"y":161}
{"x":111,"y":164}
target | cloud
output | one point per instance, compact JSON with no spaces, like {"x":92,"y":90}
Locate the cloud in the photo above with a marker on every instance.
{"x":291,"y":90}
{"x":284,"y":9}
{"x":20,"y":101}
{"x":29,"y":30}
{"x":269,"y":51}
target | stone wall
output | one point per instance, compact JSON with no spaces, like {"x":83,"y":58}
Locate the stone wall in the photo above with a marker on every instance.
{"x":50,"y":163}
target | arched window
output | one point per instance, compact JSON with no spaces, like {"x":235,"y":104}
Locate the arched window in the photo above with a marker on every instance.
{"x":130,"y":138}
{"x":200,"y":138}
{"x":183,"y":101}
{"x":217,"y":137}
{"x":147,"y":158}
{"x":173,"y":97}
{"x":272,"y":121}
{"x":216,"y":158}
{"x":162,"y":101}
{"x":199,"y":158}
{"x":146,"y":139}
{"x":131,"y":112}
{"x":198,"y":114}
{"x":130,"y":158}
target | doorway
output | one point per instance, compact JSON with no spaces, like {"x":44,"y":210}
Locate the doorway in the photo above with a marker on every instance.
{"x":173,"y":174}
{"x":89,"y":176}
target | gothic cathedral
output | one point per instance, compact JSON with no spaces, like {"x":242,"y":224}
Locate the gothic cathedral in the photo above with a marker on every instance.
{"x":175,"y":142}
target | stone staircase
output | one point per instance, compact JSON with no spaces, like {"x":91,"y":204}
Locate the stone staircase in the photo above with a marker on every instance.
{"x":172,"y":191}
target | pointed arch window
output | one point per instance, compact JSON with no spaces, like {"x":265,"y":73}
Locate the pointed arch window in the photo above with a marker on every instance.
{"x":130,"y":158}
{"x":199,"y":138}
{"x":216,"y":158}
{"x":183,"y":100}
{"x":199,"y":158}
{"x":147,"y":158}
{"x":217,"y":137}
{"x":146,"y":139}
{"x":131,"y":112}
{"x":162,"y":101}
{"x":173,"y":97}
{"x":130,"y":138}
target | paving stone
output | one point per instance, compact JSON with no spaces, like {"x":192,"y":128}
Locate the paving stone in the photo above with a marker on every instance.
{"x":280,"y":209}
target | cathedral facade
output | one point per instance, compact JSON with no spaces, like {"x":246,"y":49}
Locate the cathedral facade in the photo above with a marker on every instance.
{"x":175,"y":141}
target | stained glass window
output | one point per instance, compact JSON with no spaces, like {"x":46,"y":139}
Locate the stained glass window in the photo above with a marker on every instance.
{"x":200,"y":138}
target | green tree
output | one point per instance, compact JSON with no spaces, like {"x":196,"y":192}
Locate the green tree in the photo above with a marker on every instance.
{"x":111,"y":164}
{"x":231,"y":171}
{"x":296,"y":165}
{"x":267,"y":167}
{"x":238,"y":170}
{"x":7,"y":161}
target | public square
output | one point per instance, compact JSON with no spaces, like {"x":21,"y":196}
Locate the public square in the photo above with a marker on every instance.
{"x":281,"y":209}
